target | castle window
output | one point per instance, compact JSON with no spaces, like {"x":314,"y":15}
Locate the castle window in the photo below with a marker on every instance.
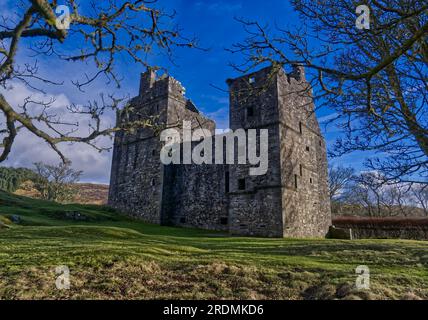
{"x":307,"y":148}
{"x":136,"y":156}
{"x":182,"y":220}
{"x":300,"y":127}
{"x":226,"y":181}
{"x":295,"y":181}
{"x":126,"y":156}
{"x":301,"y":170}
{"x":250,"y":112}
{"x":252,"y":80}
{"x":224,"y":221}
{"x":153,"y":182}
{"x":153,"y":152}
{"x":320,"y":143}
{"x":119,"y":156}
{"x":241,"y":184}
{"x":310,"y":180}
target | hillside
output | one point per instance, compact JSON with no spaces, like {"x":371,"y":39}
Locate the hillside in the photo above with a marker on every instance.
{"x":85,"y":193}
{"x":89,"y":193}
{"x":111,"y":256}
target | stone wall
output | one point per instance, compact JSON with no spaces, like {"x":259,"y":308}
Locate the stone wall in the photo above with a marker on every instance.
{"x":256,"y":209}
{"x":305,"y":202}
{"x":386,"y":228}
{"x":137,"y":177}
{"x":291,"y":200}
{"x":195,"y":196}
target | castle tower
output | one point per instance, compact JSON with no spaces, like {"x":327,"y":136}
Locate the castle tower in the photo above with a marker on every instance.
{"x":291,"y":200}
{"x":138,"y":178}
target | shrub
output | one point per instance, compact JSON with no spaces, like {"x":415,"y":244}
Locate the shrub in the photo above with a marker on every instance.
{"x":384,"y":221}
{"x":12,"y":178}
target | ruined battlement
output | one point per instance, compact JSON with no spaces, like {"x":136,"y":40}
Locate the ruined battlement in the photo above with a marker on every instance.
{"x":153,"y":86}
{"x":266,"y":76}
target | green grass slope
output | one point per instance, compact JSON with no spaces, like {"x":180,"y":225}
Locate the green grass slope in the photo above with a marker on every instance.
{"x":111,"y":256}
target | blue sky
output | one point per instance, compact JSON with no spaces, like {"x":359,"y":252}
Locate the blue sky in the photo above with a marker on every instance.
{"x":202,"y":73}
{"x":212,"y":22}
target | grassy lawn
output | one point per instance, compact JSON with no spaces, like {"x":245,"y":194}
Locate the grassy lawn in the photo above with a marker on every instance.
{"x":113,"y":257}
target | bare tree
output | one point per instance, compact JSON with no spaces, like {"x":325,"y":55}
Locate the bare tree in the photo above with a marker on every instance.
{"x":55,"y":182}
{"x":420,"y":193}
{"x":374,"y":79}
{"x":367,"y":193}
{"x":100,"y":33}
{"x":357,"y":196}
{"x":372,"y":183}
{"x":339,"y":177}
{"x":396,"y":199}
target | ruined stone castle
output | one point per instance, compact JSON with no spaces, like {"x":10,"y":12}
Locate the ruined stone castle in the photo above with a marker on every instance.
{"x":290,"y":200}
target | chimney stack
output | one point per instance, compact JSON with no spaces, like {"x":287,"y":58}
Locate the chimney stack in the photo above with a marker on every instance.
{"x":147,"y":79}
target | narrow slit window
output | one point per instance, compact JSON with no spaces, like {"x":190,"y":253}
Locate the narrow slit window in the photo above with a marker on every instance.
{"x":241,"y":184}
{"x":295,"y":181}
{"x":119,"y":155}
{"x":300,"y":127}
{"x":250,"y":112}
{"x":137,"y":151}
{"x":301,"y":170}
{"x":226,"y":181}
{"x":126,"y":156}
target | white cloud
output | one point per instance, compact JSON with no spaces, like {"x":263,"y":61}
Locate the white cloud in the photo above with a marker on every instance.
{"x":221,"y":117}
{"x":28,"y":148}
{"x":327,"y":118}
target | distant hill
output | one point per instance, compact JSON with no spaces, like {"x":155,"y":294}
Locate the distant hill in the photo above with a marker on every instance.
{"x":86,"y":193}
{"x":89,"y":193}
{"x":20,"y":182}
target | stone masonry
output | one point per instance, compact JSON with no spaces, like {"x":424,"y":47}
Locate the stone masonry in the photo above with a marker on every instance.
{"x":290,"y":200}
